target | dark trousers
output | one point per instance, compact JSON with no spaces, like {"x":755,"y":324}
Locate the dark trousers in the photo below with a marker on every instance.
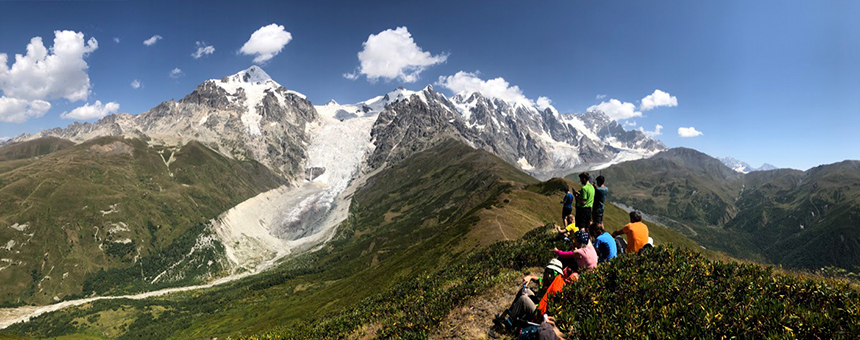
{"x":583,"y":217}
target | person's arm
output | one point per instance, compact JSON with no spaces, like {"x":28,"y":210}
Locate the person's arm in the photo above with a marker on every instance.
{"x":563,"y":254}
{"x":617,"y":233}
{"x":530,"y":278}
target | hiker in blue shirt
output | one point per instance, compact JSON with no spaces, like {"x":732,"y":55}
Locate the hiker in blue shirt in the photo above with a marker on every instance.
{"x":603,"y":243}
{"x":567,"y":206}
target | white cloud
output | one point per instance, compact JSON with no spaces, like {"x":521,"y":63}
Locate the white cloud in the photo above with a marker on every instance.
{"x":151,"y":41}
{"x":657,"y":131}
{"x":135,"y":84}
{"x":657,"y":99}
{"x":176,"y":73}
{"x":616,"y":109}
{"x":393,"y":54}
{"x":688,"y":132}
{"x":14,"y":110}
{"x":87,"y":111}
{"x":600,"y":96}
{"x":630,"y":123}
{"x":497,"y":88}
{"x":266,"y":42}
{"x":44,"y":74}
{"x":116,"y":40}
{"x":544,"y":103}
{"x":202,"y":49}
{"x":351,"y":75}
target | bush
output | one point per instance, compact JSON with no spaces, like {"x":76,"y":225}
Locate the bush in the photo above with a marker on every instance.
{"x":665,"y":293}
{"x":672,"y":293}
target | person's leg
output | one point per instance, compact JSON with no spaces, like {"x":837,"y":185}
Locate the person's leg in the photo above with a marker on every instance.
{"x":597,"y":216}
{"x":564,"y":214}
{"x":522,"y":308}
{"x":581,"y":222}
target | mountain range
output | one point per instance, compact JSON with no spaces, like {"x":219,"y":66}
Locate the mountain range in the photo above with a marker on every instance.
{"x":157,"y":188}
{"x":744,"y":167}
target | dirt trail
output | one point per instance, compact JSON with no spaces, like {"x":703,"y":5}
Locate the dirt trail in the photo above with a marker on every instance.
{"x":474,"y":318}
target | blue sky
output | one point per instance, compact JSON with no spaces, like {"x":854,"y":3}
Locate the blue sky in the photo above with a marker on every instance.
{"x":763,"y":81}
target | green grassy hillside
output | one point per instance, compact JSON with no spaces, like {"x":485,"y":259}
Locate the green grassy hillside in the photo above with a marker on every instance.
{"x":410,"y":222}
{"x":108,"y":215}
{"x":33,"y":148}
{"x":794,"y":218}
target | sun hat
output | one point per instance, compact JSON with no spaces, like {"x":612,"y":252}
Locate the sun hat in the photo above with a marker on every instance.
{"x":555,"y":264}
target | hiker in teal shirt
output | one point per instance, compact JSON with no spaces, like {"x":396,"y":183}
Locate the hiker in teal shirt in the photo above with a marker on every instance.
{"x":600,"y":193}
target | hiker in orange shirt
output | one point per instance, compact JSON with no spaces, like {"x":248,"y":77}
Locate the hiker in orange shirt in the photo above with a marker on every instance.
{"x":636,"y":231}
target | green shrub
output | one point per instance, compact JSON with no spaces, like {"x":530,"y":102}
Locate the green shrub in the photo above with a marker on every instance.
{"x":673,"y":293}
{"x":666,"y":293}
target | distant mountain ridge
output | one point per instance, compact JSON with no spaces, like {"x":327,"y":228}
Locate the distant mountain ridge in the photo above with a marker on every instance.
{"x":744,"y":167}
{"x":807,"y":219}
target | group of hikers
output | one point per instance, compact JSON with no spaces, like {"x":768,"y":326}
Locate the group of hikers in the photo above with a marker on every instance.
{"x":590,"y":244}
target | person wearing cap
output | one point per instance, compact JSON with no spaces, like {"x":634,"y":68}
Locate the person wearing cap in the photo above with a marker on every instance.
{"x":584,"y":254}
{"x":636,"y":231}
{"x":523,"y":307}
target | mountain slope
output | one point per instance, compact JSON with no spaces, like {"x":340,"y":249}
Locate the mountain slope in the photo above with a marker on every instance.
{"x":33,"y":148}
{"x":806,"y":219}
{"x":410,"y":220}
{"x":679,"y":183}
{"x":109,"y":203}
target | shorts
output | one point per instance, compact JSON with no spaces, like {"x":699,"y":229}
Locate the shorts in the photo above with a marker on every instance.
{"x":583,"y":217}
{"x":597,"y":216}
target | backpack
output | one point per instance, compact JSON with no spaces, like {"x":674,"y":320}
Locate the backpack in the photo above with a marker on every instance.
{"x":620,"y":245}
{"x":529,"y":333}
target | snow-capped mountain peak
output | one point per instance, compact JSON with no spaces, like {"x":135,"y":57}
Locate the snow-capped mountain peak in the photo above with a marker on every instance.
{"x":251,"y":75}
{"x":744,"y":167}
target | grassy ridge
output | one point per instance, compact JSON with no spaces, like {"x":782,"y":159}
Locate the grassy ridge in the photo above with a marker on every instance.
{"x":107,"y":205}
{"x":667,"y":293}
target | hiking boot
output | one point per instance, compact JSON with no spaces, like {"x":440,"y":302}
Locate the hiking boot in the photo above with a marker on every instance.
{"x":492,"y":334}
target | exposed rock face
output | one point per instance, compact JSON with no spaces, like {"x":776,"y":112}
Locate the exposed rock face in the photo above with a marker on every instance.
{"x":542,"y":142}
{"x":246,"y":115}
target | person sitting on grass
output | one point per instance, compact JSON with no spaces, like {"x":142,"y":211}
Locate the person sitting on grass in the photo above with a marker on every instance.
{"x":604,"y":244}
{"x":524,"y":309}
{"x":584,"y":254}
{"x":636,"y":231}
{"x":569,"y":229}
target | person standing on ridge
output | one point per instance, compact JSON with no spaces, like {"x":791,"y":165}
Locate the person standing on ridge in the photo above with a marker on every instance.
{"x":599,"y":200}
{"x":567,"y":206}
{"x":636,"y":231}
{"x":584,"y":201}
